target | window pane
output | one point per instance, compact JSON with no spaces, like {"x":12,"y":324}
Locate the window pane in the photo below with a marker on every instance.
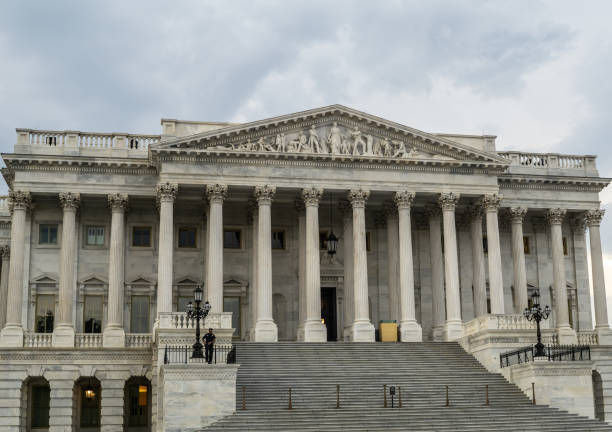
{"x":232,"y":304}
{"x":40,"y":406}
{"x":140,"y":314}
{"x":92,"y":314}
{"x":138,"y":405}
{"x":278,"y":239}
{"x":231,"y":239}
{"x":95,"y":236}
{"x":141,"y":236}
{"x":45,"y":312}
{"x":47,"y":234}
{"x":187,"y":237}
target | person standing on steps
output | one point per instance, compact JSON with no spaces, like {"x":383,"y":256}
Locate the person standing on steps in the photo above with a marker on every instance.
{"x":209,"y":345}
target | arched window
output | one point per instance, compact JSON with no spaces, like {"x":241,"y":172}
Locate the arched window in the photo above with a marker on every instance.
{"x":37,"y":396}
{"x":87,"y":403}
{"x":137,"y":408}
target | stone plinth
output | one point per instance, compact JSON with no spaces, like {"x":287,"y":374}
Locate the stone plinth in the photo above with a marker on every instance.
{"x":208,"y":391}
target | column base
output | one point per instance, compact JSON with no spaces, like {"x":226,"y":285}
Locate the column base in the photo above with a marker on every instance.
{"x":438,"y":334}
{"x":362,"y":331}
{"x":315,"y":331}
{"x":266,"y":331}
{"x":604,"y":335}
{"x":300,"y":332}
{"x":113,"y":337}
{"x":11,"y":336}
{"x":566,"y":336}
{"x":453,"y":330}
{"x":63,"y":336}
{"x":410,"y":331}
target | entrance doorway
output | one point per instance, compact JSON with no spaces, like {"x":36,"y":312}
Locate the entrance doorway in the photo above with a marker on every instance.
{"x":328,"y":312}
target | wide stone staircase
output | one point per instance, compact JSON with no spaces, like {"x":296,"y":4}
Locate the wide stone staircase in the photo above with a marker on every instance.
{"x":421,"y":372}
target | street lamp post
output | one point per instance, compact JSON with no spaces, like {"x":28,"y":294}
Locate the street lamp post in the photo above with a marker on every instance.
{"x":198,"y":312}
{"x":537,"y":314}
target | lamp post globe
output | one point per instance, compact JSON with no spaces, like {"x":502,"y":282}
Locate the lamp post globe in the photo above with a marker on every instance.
{"x":537,"y":314}
{"x":198,"y":313}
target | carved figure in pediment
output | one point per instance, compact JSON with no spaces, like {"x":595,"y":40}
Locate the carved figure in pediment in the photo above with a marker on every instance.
{"x":377,"y":150}
{"x":347,"y":146}
{"x":400,"y":149}
{"x":263,"y":145}
{"x":334,"y":139}
{"x":358,"y":142}
{"x":246,"y":146}
{"x":281,"y":146}
{"x":302,"y":143}
{"x":314,"y":143}
{"x":369,"y":145}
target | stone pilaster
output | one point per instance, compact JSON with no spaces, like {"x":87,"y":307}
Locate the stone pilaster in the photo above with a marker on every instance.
{"x":216,"y":195}
{"x":566,"y":334}
{"x":349,"y":273}
{"x":11,"y":383}
{"x":437,"y":272}
{"x":166,"y":194}
{"x":478,"y":266}
{"x":112,"y":391}
{"x":602,"y":327}
{"x":114,"y":332}
{"x":301,"y":214}
{"x":61,"y":384}
{"x":362,"y":329}
{"x":12,"y":333}
{"x":410,"y":330}
{"x":393,"y":260}
{"x":314,"y":330}
{"x":5,"y":252}
{"x":453,"y":328}
{"x":63,"y":332}
{"x":490,"y":205}
{"x":265,"y":327}
{"x":517,"y":214}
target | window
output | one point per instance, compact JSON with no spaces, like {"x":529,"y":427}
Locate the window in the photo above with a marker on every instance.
{"x":187,"y":237}
{"x":94,"y":236}
{"x":90,"y":404}
{"x":278,"y":239}
{"x":526,"y":245}
{"x":140,"y":314}
{"x":137,"y":399}
{"x":232,"y":239}
{"x":47,"y":234}
{"x":565,"y":249}
{"x":141,"y":236}
{"x":485,"y":244}
{"x":92,"y":314}
{"x":45,"y":313}
{"x":40,"y":405}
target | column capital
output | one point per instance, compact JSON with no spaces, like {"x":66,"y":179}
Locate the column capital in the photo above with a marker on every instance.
{"x":70,"y":200}
{"x":593,"y":217}
{"x":265,"y":194}
{"x":311,"y":196}
{"x":216,"y":193}
{"x":490,"y":203}
{"x":346,"y":209}
{"x":251,"y":210}
{"x":578,"y":224}
{"x":474,"y":213}
{"x":300,"y":208}
{"x":118,"y":202}
{"x":19,"y":200}
{"x":5,"y":252}
{"x":390,"y":210}
{"x":432,"y":211}
{"x":166,"y":192}
{"x":517,"y":214}
{"x":555,"y":216}
{"x":403,"y":199}
{"x":358,"y":197}
{"x":448,"y":200}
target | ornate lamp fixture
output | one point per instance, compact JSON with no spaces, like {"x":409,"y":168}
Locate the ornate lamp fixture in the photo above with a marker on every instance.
{"x":332,"y":240}
{"x":537,"y":314}
{"x":89,"y":392}
{"x":198,"y":312}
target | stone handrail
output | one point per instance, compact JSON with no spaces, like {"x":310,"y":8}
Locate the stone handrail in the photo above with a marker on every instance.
{"x":497,"y":322}
{"x":88,"y":340}
{"x":179,"y":320}
{"x":587,"y":338}
{"x":553,"y":162}
{"x":138,"y":340}
{"x":37,"y":340}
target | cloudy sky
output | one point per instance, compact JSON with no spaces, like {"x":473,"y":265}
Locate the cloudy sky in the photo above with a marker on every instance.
{"x":535,"y":73}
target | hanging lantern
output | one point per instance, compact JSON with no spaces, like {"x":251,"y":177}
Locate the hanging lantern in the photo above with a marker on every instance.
{"x":89,"y":391}
{"x":332,"y":244}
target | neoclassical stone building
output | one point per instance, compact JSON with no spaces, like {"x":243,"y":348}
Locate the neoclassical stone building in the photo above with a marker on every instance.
{"x":105,"y":237}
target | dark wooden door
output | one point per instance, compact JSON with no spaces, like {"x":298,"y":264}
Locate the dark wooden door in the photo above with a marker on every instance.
{"x":328,"y":312}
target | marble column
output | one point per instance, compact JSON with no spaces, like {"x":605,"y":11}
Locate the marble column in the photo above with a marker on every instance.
{"x":566,"y":334}
{"x":301,"y":214}
{"x":453,"y":328}
{"x":12,"y":334}
{"x":410,"y":330}
{"x":490,"y":204}
{"x":479,"y":282}
{"x":265,"y":327}
{"x":347,"y":248}
{"x":114,"y":332}
{"x":517,"y":215}
{"x":63,"y":331}
{"x":393,"y":268}
{"x":362,"y":329}
{"x":214,"y":283}
{"x":314,"y":329}
{"x":166,"y":194}
{"x":5,"y":251}
{"x":437,"y":272}
{"x":254,"y":218}
{"x":602,"y":327}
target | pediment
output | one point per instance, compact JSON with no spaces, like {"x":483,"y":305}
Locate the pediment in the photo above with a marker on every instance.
{"x":335,"y":132}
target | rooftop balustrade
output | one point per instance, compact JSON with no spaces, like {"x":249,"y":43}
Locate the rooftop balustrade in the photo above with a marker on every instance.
{"x":551,"y":164}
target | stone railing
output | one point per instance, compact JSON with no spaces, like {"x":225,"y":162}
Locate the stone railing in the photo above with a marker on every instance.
{"x":587,"y":338}
{"x":138,"y":340}
{"x":37,"y":340}
{"x":497,"y":322}
{"x":179,"y":321}
{"x":88,"y":340}
{"x":552,"y":162}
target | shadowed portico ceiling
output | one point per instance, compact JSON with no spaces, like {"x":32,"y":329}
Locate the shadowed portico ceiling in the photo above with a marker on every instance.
{"x":335,"y":133}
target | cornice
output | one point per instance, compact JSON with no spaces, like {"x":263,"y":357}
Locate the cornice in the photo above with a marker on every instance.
{"x":20,"y":162}
{"x":580,"y":184}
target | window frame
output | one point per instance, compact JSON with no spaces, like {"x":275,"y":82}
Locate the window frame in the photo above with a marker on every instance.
{"x":36,"y":314}
{"x":180,"y":227}
{"x":55,"y":245}
{"x":148,"y":323}
{"x":151,"y":235}
{"x":279,"y":230}
{"x":102,"y":225}
{"x":241,"y":231}
{"x":101,"y":298}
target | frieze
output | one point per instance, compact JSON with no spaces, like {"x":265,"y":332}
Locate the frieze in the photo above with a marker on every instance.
{"x":102,"y":356}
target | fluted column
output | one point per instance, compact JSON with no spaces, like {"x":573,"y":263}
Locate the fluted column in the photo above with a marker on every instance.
{"x":301,"y":214}
{"x":362,"y":329}
{"x":437,"y":272}
{"x":393,"y":269}
{"x":114,"y":332}
{"x":254,"y":218}
{"x":216,"y":195}
{"x":490,"y":204}
{"x":314,"y":329}
{"x":410,"y":330}
{"x":518,"y":258}
{"x":5,"y":251}
{"x":347,"y":247}
{"x":565,"y":332}
{"x":478,"y":267}
{"x":602,"y":327}
{"x":63,"y":332}
{"x":12,"y":333}
{"x":265,"y":328}
{"x":166,"y":193}
{"x":454,"y":327}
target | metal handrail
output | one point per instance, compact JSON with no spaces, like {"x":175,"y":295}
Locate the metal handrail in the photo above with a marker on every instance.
{"x":183,"y":354}
{"x":552,"y":353}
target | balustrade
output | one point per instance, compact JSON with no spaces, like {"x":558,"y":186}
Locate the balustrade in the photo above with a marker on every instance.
{"x":37,"y":340}
{"x":88,"y":340}
{"x":138,"y":340}
{"x":179,"y":320}
{"x":546,"y":161}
